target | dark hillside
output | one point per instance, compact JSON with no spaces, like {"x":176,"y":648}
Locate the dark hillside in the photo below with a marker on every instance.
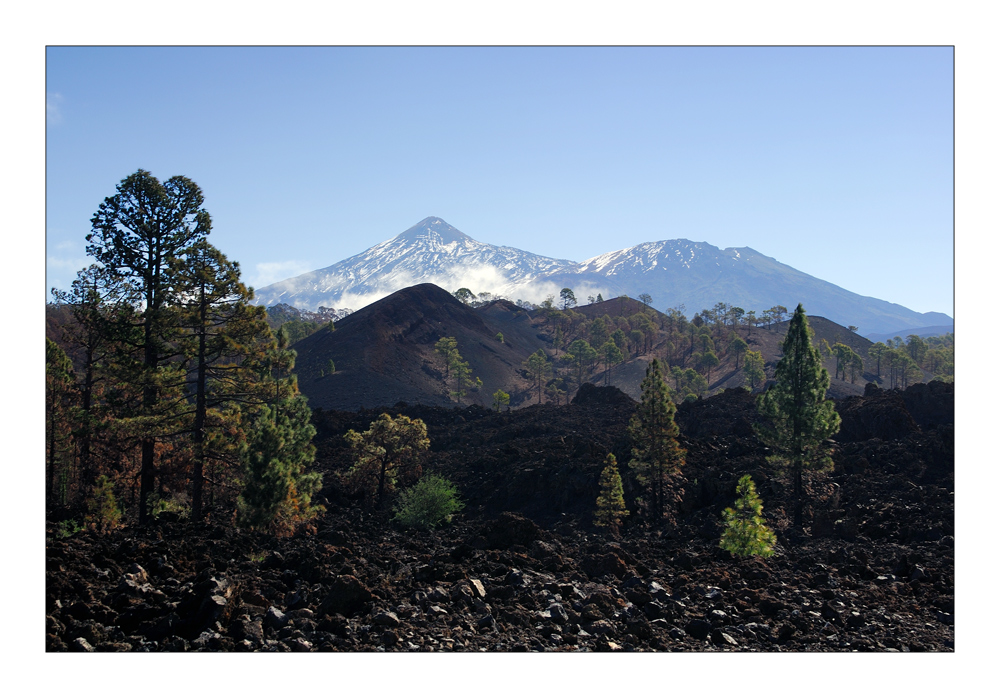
{"x":384,"y":353}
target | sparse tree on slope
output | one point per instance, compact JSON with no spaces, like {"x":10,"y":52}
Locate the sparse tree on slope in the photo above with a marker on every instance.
{"x":753,"y":369}
{"x":500,"y":399}
{"x":611,"y":355}
{"x":738,"y":348}
{"x":876,"y":351}
{"x":801,"y":417}
{"x":583,"y":355}
{"x":568,"y":298}
{"x":538,"y":368}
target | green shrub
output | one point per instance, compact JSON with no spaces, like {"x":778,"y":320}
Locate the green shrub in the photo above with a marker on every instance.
{"x":178,"y":504}
{"x":428,"y":504}
{"x":745,"y":533}
{"x":67,"y":528}
{"x":102,"y":507}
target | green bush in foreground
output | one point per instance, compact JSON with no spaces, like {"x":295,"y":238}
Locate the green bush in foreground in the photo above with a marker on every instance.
{"x":746,"y":534}
{"x":428,"y":504}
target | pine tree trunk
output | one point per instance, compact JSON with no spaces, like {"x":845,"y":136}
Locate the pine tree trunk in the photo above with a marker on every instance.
{"x":198,"y":476}
{"x":147,"y":471}
{"x":798,"y":498}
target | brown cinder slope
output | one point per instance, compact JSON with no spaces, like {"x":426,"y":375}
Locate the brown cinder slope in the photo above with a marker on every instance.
{"x":384,"y":353}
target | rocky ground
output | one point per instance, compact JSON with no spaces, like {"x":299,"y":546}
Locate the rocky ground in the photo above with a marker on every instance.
{"x":523,"y":569}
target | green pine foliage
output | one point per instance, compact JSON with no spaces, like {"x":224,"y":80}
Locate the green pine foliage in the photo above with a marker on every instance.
{"x":746,"y":533}
{"x":753,"y":370}
{"x":457,"y":368}
{"x":278,"y":491}
{"x":430,"y":503}
{"x":801,"y":418}
{"x":501,"y":399}
{"x":611,"y":501}
{"x":390,"y":452}
{"x":656,"y":454}
{"x":538,"y":368}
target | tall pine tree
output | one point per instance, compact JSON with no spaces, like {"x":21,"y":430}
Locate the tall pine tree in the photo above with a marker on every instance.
{"x":801,"y":418}
{"x":135,"y":234}
{"x":224,"y":335}
{"x":656,"y":454}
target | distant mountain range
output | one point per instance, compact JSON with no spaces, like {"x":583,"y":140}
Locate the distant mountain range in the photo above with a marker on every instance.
{"x":674,"y":272}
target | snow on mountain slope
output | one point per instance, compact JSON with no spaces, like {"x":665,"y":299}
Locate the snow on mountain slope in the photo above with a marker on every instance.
{"x":679,"y":272}
{"x":430,"y":252}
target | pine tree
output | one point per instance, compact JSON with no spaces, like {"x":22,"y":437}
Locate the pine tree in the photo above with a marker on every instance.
{"x":611,"y":355}
{"x":583,"y":355}
{"x":746,"y":533}
{"x":135,"y":234}
{"x":100,"y":303}
{"x":390,"y":452}
{"x":656,"y":455}
{"x":538,"y":368}
{"x":212,"y":302}
{"x":611,"y":501}
{"x":801,"y":417}
{"x":278,"y":490}
{"x":455,"y":366}
{"x":500,"y":399}
{"x":753,"y":369}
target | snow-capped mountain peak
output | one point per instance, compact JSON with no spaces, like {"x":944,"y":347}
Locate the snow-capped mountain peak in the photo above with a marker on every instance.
{"x":433,"y":231}
{"x":432,"y":251}
{"x":674,"y":272}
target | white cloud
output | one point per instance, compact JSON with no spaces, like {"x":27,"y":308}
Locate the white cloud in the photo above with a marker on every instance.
{"x":73,"y":264}
{"x":53,"y":115}
{"x":266,"y":273}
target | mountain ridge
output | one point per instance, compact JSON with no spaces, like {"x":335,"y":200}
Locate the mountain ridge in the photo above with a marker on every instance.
{"x":675,"y":272}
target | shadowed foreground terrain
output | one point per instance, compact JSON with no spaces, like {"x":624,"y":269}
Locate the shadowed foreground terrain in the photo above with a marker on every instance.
{"x":522,"y":568}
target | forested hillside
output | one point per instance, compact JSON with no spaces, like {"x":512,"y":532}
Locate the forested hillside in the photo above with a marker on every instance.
{"x":385,"y":353}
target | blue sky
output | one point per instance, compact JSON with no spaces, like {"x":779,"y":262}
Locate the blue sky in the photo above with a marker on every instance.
{"x":836,"y":161}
